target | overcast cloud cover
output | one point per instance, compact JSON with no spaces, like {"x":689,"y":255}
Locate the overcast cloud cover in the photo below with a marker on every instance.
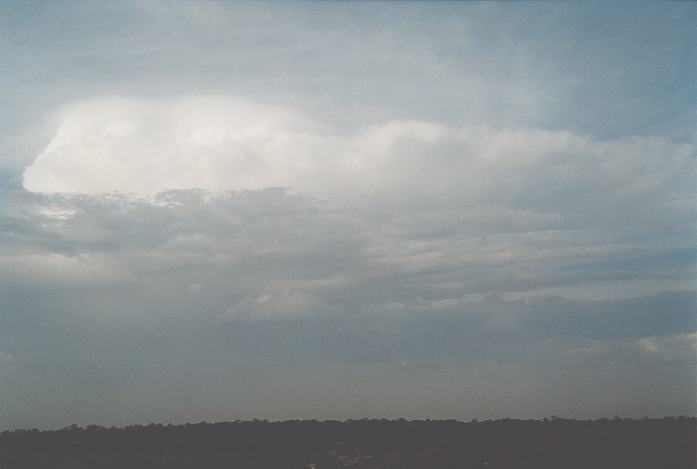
{"x":220,"y":211}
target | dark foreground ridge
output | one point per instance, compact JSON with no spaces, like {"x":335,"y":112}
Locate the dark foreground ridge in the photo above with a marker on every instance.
{"x":366,"y":444}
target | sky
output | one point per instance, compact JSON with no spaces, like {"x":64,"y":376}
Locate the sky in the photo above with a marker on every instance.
{"x":219,"y":211}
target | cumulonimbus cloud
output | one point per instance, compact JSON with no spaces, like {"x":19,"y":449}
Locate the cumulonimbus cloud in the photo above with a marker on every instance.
{"x":471,"y":248}
{"x":225,"y":143}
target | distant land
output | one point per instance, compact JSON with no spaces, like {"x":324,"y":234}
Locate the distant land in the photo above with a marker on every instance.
{"x":616,"y":443}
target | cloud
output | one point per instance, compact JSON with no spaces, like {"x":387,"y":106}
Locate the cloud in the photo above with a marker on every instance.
{"x":225,"y":143}
{"x":269,"y":296}
{"x":280,"y":305}
{"x":660,"y":315}
{"x":144,"y":147}
{"x":476,"y":257}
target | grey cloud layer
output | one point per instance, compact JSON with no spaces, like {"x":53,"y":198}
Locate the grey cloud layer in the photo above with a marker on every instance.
{"x":271,"y":298}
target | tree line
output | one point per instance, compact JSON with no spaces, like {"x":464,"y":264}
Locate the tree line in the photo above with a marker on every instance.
{"x":362,"y":444}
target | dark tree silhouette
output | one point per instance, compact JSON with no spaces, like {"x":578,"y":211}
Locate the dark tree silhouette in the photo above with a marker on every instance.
{"x":367,"y":444}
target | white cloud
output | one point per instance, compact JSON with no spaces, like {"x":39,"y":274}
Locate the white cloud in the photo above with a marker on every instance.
{"x":225,"y":143}
{"x":144,"y":147}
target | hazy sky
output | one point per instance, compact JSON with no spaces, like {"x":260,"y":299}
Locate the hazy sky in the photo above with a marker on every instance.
{"x":220,"y":211}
